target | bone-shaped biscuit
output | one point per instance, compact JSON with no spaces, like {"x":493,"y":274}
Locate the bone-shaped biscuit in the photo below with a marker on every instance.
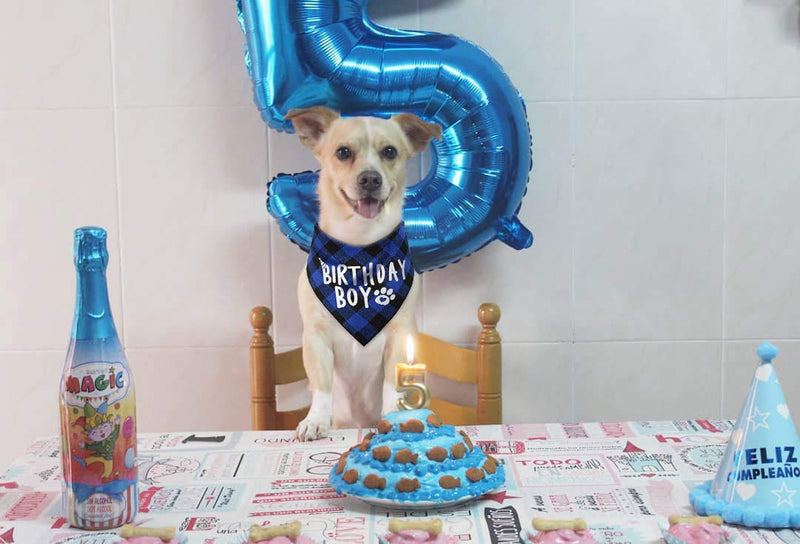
{"x":291,"y":530}
{"x":576,"y":524}
{"x":431,"y":526}
{"x":164,"y":533}
{"x":694,"y":520}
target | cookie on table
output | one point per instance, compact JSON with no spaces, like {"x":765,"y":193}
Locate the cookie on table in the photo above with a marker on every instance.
{"x":402,"y":531}
{"x":560,"y":531}
{"x":288,"y":533}
{"x":696,"y":530}
{"x":131,"y":534}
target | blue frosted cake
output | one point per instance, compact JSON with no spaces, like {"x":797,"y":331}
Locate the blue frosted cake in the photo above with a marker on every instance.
{"x":413,"y":457}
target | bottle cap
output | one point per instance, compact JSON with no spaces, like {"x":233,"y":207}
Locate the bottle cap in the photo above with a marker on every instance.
{"x":90,"y":248}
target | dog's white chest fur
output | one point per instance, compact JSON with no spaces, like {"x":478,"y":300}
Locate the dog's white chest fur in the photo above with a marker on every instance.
{"x":358,"y":391}
{"x":356,"y":400}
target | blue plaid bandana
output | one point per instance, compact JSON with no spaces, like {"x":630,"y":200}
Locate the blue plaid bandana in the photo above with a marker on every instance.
{"x":362,"y":287}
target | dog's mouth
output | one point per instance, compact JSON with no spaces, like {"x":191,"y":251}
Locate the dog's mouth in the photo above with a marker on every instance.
{"x":367,"y":207}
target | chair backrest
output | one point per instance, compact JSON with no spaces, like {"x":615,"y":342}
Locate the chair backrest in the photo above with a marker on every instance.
{"x":481,"y":366}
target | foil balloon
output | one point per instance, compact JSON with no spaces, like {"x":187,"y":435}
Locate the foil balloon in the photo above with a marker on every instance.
{"x":301,"y":53}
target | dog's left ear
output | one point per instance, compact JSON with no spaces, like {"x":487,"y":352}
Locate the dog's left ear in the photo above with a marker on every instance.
{"x":418,"y":132}
{"x":311,"y":123}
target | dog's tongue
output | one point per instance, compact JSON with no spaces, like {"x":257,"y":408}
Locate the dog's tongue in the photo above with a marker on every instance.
{"x":369,"y":207}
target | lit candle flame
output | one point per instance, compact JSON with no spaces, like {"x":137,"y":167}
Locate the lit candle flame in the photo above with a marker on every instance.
{"x":410,"y":349}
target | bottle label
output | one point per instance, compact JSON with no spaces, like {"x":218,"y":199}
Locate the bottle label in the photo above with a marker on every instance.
{"x":99,"y":445}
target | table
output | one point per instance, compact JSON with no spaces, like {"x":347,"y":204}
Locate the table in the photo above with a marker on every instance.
{"x":623,"y":478}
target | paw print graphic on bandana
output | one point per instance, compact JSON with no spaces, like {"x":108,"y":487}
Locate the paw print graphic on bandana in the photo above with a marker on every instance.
{"x":384,"y":295}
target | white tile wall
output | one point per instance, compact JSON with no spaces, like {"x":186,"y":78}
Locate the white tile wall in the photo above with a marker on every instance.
{"x":627,"y":49}
{"x":55,"y":54}
{"x":762,"y":280}
{"x":648,"y":220}
{"x":663,"y":202}
{"x":181,"y":170}
{"x":647,"y":380}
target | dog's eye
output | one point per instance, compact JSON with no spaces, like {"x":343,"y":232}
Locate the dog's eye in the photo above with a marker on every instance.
{"x":344,"y":153}
{"x":389,"y":152}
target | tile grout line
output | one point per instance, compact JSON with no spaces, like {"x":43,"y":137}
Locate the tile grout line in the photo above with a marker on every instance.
{"x":573,"y":159}
{"x":115,"y":127}
{"x":725,"y":118}
{"x":421,"y":325}
{"x":271,"y":244}
{"x":422,"y":172}
{"x":468,"y":344}
{"x":645,"y":100}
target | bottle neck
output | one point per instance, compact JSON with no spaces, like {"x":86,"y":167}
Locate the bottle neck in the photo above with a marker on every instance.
{"x":93,"y":319}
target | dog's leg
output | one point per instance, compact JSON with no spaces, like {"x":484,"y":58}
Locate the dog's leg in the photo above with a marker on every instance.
{"x":318,"y":362}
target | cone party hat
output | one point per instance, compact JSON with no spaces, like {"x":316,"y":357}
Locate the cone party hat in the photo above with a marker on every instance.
{"x":758,"y":481}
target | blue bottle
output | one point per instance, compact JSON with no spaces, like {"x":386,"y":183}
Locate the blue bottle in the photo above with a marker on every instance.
{"x":97,"y":402}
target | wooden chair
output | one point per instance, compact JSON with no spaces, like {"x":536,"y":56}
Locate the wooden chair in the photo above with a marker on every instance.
{"x":481,"y":366}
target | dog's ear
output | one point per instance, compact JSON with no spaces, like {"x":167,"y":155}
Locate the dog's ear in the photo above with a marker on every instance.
{"x":418,"y":132}
{"x":311,"y":123}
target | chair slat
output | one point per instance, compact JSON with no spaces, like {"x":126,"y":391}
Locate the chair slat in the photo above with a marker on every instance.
{"x":289,"y":367}
{"x":291,"y":419}
{"x":449,"y":361}
{"x":453,"y":414}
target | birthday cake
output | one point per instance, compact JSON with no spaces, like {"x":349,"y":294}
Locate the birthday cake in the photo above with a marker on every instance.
{"x":414,"y":457}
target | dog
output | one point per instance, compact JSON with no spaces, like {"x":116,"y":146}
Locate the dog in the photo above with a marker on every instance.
{"x":361,"y":191}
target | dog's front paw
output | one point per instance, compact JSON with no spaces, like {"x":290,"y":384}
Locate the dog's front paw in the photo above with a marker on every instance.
{"x":313,"y":427}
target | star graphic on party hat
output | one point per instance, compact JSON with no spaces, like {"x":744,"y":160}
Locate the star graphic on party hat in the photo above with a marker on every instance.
{"x":756,"y":415}
{"x":784,"y":495}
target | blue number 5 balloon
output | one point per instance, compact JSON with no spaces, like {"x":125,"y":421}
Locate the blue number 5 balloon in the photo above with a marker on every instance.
{"x":302,"y":53}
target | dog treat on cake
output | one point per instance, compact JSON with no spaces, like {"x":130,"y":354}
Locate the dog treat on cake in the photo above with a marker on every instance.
{"x":288,"y":533}
{"x":560,"y":531}
{"x":414,"y":457}
{"x":402,"y":531}
{"x":696,"y":530}
{"x":150,"y":535}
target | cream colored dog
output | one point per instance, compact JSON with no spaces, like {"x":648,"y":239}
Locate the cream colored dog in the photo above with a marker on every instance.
{"x":361,"y":191}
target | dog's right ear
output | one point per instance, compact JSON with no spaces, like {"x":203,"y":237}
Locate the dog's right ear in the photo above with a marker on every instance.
{"x":311,"y":123}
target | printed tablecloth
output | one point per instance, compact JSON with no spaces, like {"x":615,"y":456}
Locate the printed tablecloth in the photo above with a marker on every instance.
{"x":623,"y":478}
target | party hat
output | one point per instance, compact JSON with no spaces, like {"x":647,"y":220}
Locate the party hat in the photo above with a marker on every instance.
{"x":758,"y":480}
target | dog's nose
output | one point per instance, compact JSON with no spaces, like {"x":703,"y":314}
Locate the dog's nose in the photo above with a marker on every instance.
{"x":369,"y":180}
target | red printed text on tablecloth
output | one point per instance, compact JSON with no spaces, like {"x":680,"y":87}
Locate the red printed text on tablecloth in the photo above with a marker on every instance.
{"x":25,"y":506}
{"x":284,"y":502}
{"x":561,"y":470}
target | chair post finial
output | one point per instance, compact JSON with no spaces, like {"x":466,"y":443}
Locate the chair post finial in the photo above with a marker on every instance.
{"x":489,"y":316}
{"x":260,"y":318}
